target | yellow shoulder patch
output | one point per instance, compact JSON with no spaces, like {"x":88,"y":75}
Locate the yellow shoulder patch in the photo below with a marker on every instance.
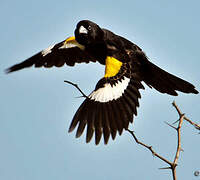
{"x":112,"y":66}
{"x":71,"y":42}
{"x":70,"y":39}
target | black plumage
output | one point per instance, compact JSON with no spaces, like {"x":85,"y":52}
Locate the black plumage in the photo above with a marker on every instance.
{"x":111,"y":106}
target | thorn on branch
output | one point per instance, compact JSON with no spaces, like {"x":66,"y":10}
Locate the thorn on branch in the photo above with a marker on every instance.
{"x":175,"y":121}
{"x":170,"y":125}
{"x":165,"y":168}
{"x":76,"y":86}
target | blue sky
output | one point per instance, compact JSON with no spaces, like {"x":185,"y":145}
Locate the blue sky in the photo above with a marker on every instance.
{"x":37,"y":106}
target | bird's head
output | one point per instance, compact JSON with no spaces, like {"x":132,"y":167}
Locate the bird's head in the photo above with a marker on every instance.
{"x":87,"y":32}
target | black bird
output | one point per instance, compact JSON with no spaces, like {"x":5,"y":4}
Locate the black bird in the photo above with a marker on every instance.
{"x":111,"y":106}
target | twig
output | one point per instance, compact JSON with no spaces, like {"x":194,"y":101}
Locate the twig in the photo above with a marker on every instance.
{"x":197,"y":126}
{"x":148,"y":147}
{"x":172,"y":165}
{"x":76,"y":86}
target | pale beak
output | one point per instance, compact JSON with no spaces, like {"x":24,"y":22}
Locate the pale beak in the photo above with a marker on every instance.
{"x":83,"y":30}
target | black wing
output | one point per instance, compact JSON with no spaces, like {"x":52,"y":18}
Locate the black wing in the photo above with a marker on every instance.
{"x":109,"y":108}
{"x":56,"y":55}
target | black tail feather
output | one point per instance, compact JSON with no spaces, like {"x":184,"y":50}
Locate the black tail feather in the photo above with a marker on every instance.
{"x":165,"y":82}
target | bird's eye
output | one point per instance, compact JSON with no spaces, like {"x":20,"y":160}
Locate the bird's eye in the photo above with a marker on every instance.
{"x":89,"y":28}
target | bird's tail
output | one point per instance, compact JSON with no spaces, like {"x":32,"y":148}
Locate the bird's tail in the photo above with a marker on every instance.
{"x":165,"y":82}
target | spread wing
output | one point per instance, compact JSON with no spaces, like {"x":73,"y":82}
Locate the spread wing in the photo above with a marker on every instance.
{"x":66,"y":52}
{"x":110,"y":107}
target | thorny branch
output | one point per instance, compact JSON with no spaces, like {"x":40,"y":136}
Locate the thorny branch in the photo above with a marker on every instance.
{"x":172,"y":165}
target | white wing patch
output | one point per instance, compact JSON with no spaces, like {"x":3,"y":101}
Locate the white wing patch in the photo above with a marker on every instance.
{"x":72,"y":45}
{"x":109,"y":93}
{"x":47,"y":50}
{"x":68,"y":45}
